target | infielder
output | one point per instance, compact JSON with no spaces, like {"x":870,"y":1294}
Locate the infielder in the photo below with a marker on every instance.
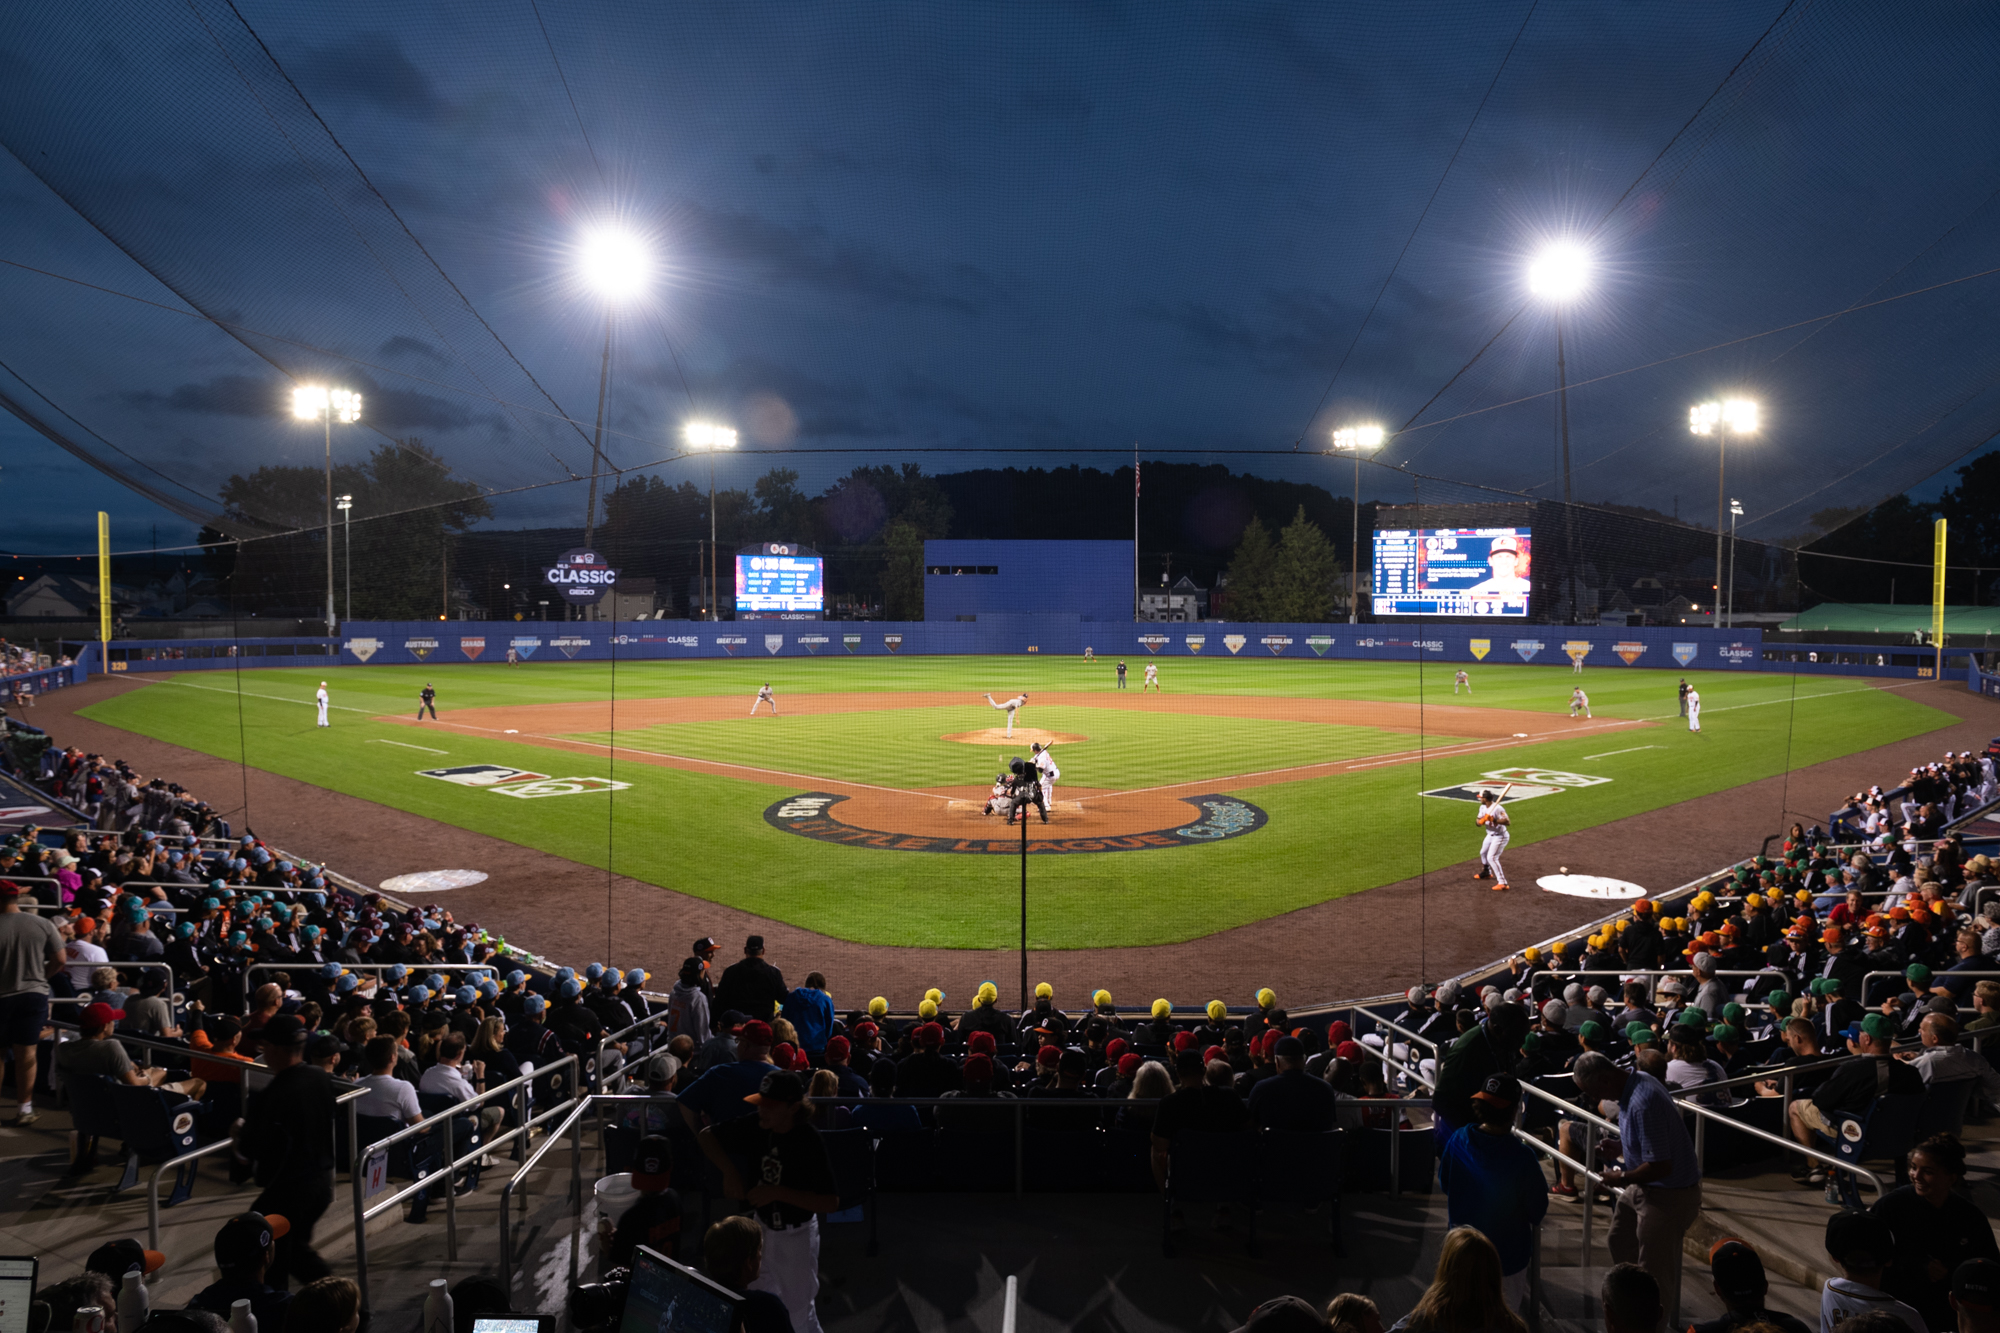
{"x":1152,"y":678}
{"x":1694,"y":710}
{"x":1493,"y":818}
{"x":1578,"y":699}
{"x":321,"y":696}
{"x":1461,"y":679}
{"x":1010,"y":707}
{"x":764,"y":696}
{"x":1045,"y":768}
{"x":427,"y":698}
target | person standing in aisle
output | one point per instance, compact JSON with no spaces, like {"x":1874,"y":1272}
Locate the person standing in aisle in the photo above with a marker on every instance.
{"x":287,"y":1132}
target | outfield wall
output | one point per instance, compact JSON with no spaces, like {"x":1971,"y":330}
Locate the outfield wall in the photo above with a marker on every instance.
{"x":407,"y":643}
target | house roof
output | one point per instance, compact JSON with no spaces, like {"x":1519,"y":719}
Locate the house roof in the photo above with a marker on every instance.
{"x":1884,"y":618}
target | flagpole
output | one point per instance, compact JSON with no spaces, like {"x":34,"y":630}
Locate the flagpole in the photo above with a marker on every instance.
{"x":1135,"y":531}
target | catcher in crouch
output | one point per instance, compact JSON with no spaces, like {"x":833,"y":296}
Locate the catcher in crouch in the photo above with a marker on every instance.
{"x":1015,"y":790}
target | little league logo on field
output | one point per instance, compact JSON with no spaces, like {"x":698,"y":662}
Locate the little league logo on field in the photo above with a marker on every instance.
{"x":1154,"y":642}
{"x":421,"y":649}
{"x":1517,"y":784}
{"x":1481,"y":647}
{"x":816,"y":815}
{"x":518,"y":781}
{"x":1234,"y":643}
{"x":1527,"y":648}
{"x":1277,"y":643}
{"x":525,"y":647}
{"x":1685,"y":652}
{"x":1630,"y":651}
{"x":363,"y":648}
{"x":1319,"y":643}
{"x":472,"y":648}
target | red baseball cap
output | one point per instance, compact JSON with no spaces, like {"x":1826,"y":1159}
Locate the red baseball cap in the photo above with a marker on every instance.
{"x":97,"y":1017}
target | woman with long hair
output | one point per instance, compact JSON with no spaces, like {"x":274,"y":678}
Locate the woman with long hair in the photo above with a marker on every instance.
{"x":1151,"y":1083}
{"x":1465,"y":1294}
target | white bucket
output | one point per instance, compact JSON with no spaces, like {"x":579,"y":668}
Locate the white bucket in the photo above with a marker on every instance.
{"x":614,"y":1194}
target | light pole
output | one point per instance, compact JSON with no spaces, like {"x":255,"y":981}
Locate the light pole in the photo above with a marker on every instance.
{"x":1558,"y":275}
{"x":1357,"y":440}
{"x":1729,"y":614}
{"x":710,"y":438}
{"x":1719,"y":419}
{"x":346,"y":508}
{"x":615,"y":265}
{"x":310,"y":401}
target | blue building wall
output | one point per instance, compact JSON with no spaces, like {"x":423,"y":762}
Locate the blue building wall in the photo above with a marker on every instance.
{"x":1089,"y":580}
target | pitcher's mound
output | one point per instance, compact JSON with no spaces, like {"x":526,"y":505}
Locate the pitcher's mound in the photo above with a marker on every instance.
{"x":1022,"y":737}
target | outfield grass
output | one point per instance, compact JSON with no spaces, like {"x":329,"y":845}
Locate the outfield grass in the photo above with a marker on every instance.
{"x":705,"y":835}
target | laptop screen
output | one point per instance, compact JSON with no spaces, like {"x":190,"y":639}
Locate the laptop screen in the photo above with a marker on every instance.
{"x":666,"y":1297}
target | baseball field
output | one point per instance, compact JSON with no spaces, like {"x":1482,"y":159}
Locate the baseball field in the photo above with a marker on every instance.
{"x":1242,"y":790}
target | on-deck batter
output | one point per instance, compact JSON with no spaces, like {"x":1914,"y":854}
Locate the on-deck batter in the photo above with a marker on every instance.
{"x":1493,"y":818}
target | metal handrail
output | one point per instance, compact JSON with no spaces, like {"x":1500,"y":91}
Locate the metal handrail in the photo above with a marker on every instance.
{"x":307,"y":969}
{"x":1710,"y":1113}
{"x":577,"y":1107}
{"x":1398,"y":1028}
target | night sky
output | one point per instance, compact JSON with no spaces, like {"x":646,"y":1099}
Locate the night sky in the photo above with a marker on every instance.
{"x":1050,"y":228}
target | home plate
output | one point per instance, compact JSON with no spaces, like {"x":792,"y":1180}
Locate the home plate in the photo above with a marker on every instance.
{"x":1590,"y":886}
{"x":433,"y":881}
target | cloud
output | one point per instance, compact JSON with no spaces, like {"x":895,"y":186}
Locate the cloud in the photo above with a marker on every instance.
{"x":807,"y":253}
{"x":414,"y":348}
{"x":1295,"y":330}
{"x":371,"y":68}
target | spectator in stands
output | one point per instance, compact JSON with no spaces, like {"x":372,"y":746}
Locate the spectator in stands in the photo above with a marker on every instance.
{"x":1150,"y":1083}
{"x":876,"y":1116}
{"x":1284,"y":1314}
{"x":1493,"y":1182}
{"x":1851,"y":1089}
{"x":1688,"y":1065}
{"x":388,"y":1097}
{"x":329,"y":1305}
{"x":1740,"y":1284}
{"x":1291,"y":1100}
{"x":1466,"y":1294}
{"x":98,"y":1052}
{"x":86,"y":1289}
{"x":1799,"y":1046}
{"x":795,"y":1185}
{"x":809,"y":1009}
{"x":1659,"y":1158}
{"x":1351,"y":1312}
{"x":1631,"y":1299}
{"x":732,"y":1253}
{"x":1943,"y":1060}
{"x":246,"y":1249}
{"x":31,"y":951}
{"x":85,"y":953}
{"x":116,"y":1258}
{"x":986,"y":1016}
{"x":1196,"y":1104}
{"x":718,"y":1095}
{"x":452,"y":1077}
{"x":1493,"y":1047}
{"x":751,"y":985}
{"x":287,"y":1132}
{"x":1935,"y":1228}
{"x":1862,"y":1245}
{"x":968,"y":1107}
{"x":925,"y":1072}
{"x":1986,"y":1000}
{"x":687,"y":1003}
{"x":1975,"y":1295}
{"x":1071,"y":1066}
{"x":654,"y":1218}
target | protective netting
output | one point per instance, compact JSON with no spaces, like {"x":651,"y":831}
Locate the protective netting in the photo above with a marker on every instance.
{"x":866,"y":223}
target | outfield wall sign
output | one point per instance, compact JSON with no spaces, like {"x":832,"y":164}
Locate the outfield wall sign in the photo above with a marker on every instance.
{"x":363,"y":648}
{"x":1277,"y":643}
{"x":525,"y":647}
{"x":421,"y":649}
{"x":812,"y":643}
{"x":1629,"y":651}
{"x":1738,"y":652}
{"x":472,"y":648}
{"x":1195,"y":643}
{"x":1154,"y":642}
{"x":1215,"y":817}
{"x":1685,"y":652}
{"x":1319,"y":643}
{"x":581,"y":576}
{"x":518,"y":782}
{"x":1480,"y":647}
{"x":850,"y":641}
{"x":729,"y":643}
{"x":893,"y":642}
{"x":773,"y":643}
{"x":1527,"y":648}
{"x":569,"y":645}
{"x":1578,"y":649}
{"x":1234,"y":642}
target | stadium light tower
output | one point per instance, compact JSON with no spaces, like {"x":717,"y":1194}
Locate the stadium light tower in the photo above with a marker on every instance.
{"x":615,"y":265}
{"x":346,"y":507}
{"x":1357,"y":440}
{"x":1558,"y":276}
{"x":1738,"y":415}
{"x":317,"y":402}
{"x":710,"y":438}
{"x":1729,"y":611}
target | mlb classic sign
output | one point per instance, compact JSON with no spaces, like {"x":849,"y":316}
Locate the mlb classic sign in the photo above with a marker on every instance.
{"x":581,"y":576}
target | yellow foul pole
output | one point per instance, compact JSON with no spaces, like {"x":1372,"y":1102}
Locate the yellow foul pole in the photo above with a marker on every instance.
{"x":104,"y":588}
{"x":1937,"y":600}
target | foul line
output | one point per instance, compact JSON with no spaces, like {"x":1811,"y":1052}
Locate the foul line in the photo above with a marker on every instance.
{"x":1634,"y":750}
{"x":275,"y":698}
{"x":376,"y":740}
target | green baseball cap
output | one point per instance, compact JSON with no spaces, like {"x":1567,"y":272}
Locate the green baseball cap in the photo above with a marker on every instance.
{"x":1593,"y":1032}
{"x":1917,"y":972}
{"x":1637,"y":1033}
{"x":1879,"y":1026}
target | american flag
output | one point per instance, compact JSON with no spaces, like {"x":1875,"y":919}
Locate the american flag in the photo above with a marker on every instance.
{"x":1135,"y":478}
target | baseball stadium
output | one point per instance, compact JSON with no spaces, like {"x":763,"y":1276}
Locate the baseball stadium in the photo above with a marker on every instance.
{"x":668,"y":671}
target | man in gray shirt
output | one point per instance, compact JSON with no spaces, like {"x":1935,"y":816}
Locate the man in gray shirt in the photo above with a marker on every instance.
{"x":31,"y":949}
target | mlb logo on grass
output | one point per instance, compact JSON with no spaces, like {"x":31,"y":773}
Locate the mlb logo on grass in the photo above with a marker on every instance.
{"x":528,"y":791}
{"x":480,"y":775}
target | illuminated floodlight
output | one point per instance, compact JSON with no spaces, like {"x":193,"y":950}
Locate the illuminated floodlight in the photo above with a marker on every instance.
{"x":614,"y":262}
{"x":704,"y":435}
{"x":1560,"y":272}
{"x":308,"y":401}
{"x":1737,"y":415}
{"x":346,"y":502}
{"x":346,"y":405}
{"x":1364,"y":438}
{"x":1736,"y":508}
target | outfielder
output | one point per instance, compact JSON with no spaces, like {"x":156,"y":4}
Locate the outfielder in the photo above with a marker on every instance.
{"x":764,"y":696}
{"x":1493,"y":818}
{"x":1011,"y":707}
{"x":321,"y":696}
{"x":1461,"y":679}
{"x":1152,"y":678}
{"x":1047,"y":773}
{"x":1694,"y":710}
{"x":1578,"y":699}
{"x":513,"y":655}
{"x":427,"y":698}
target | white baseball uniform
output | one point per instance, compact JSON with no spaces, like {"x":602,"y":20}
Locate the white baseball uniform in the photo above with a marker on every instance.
{"x":1010,"y":707}
{"x":1578,"y":699}
{"x":321,"y":696}
{"x":1152,"y":677}
{"x":1461,"y":679}
{"x":1694,"y":711}
{"x":1494,"y":820}
{"x":764,"y":696}
{"x":1045,"y":764}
